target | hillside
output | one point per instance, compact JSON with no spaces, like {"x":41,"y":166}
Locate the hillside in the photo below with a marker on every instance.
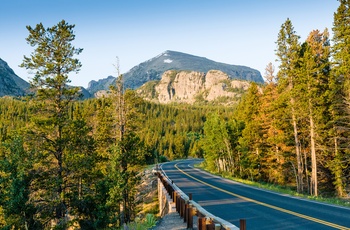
{"x":10,"y":83}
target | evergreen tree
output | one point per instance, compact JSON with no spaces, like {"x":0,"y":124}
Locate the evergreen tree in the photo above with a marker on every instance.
{"x":61,"y":145}
{"x":128,"y":152}
{"x":288,"y":53}
{"x":340,"y":95}
{"x":274,"y":146}
{"x":250,"y":142}
{"x":312,"y":85}
{"x":16,"y":165}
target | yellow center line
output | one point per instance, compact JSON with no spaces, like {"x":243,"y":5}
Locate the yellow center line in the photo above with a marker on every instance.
{"x":267,"y":205}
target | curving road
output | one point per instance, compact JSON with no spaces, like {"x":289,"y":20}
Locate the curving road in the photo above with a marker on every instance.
{"x":262,"y":209}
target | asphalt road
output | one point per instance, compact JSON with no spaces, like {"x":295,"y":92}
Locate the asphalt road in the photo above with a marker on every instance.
{"x":262,"y":209}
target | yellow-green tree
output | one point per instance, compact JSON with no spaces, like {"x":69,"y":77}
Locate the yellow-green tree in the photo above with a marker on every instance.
{"x":63,"y":148}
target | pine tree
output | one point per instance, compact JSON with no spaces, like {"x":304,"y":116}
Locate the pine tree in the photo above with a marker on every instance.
{"x":340,"y":94}
{"x":250,"y":141}
{"x":312,"y":85}
{"x":52,"y":132}
{"x":288,"y":49}
{"x":274,"y":146}
{"x":128,"y":153}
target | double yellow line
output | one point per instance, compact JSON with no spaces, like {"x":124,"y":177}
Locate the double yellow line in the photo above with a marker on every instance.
{"x":268,"y":205}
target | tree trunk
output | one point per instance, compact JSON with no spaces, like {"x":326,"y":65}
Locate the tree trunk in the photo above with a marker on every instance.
{"x":297,"y":150}
{"x":338,"y":182}
{"x":313,"y":154}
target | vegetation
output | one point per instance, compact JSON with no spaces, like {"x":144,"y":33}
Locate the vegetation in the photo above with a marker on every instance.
{"x":75,"y":163}
{"x":293,"y":131}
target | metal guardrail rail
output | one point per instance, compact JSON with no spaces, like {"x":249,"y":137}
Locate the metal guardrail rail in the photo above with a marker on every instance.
{"x":187,"y":208}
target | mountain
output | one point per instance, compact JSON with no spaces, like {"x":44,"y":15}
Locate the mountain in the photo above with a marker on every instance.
{"x":192,"y":87}
{"x":10,"y":83}
{"x":85,"y":94}
{"x":171,"y":60}
{"x":102,"y":84}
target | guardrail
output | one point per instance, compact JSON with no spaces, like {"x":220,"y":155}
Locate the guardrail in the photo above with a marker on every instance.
{"x":187,"y":208}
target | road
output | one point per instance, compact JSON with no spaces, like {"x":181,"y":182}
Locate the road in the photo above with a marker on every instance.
{"x":262,"y":209}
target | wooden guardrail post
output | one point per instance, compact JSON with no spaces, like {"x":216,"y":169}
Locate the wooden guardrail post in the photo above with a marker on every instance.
{"x":202,"y":223}
{"x":182,"y":209}
{"x":186,"y":212}
{"x":177,"y":203}
{"x":211,"y":226}
{"x":190,"y":214}
{"x":242,"y":224}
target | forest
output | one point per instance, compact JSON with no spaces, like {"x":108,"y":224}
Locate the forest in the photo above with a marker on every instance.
{"x":66,"y":162}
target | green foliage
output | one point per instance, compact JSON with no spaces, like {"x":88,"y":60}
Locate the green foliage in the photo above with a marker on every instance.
{"x":149,"y":222}
{"x":76,"y":163}
{"x":16,"y":166}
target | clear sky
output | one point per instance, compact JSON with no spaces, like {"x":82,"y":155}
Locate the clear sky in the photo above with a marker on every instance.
{"x":239,"y":32}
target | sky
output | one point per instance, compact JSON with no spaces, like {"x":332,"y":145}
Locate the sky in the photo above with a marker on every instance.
{"x":237,"y":32}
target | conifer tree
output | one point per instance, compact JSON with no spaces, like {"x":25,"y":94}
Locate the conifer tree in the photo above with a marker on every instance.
{"x":274,"y":146}
{"x":340,"y":94}
{"x":16,"y":165}
{"x":288,"y":49}
{"x":128,"y":152}
{"x":58,"y":176}
{"x":250,"y":141}
{"x":312,"y":85}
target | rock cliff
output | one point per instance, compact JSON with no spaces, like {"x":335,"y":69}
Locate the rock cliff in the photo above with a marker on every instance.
{"x":194,"y":88}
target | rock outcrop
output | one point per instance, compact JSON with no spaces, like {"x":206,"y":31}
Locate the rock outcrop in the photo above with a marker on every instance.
{"x":194,"y":87}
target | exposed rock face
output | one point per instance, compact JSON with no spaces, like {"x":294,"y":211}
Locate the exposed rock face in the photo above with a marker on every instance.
{"x":10,"y":83}
{"x":194,"y":87}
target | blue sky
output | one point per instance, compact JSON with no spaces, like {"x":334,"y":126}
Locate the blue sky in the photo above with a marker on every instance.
{"x":239,"y":32}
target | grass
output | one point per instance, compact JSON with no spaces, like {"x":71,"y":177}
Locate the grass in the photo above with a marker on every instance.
{"x":284,"y":190}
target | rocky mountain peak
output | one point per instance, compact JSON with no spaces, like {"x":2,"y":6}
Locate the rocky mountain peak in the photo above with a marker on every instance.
{"x":154,"y":68}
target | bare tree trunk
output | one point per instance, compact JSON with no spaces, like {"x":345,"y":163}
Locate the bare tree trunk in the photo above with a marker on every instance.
{"x":313,"y":154}
{"x":306,"y":173}
{"x":297,"y":150}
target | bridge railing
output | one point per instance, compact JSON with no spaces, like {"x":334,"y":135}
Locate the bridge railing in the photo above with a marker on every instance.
{"x":187,"y":209}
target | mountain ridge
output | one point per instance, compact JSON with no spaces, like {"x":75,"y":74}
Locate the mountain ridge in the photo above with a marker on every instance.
{"x":10,"y":83}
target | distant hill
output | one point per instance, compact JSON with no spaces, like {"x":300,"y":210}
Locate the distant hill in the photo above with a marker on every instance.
{"x":171,"y":60}
{"x":102,"y":84}
{"x":10,"y":83}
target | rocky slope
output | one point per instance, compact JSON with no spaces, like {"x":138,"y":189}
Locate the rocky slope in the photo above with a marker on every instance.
{"x":194,"y":88}
{"x":10,"y":83}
